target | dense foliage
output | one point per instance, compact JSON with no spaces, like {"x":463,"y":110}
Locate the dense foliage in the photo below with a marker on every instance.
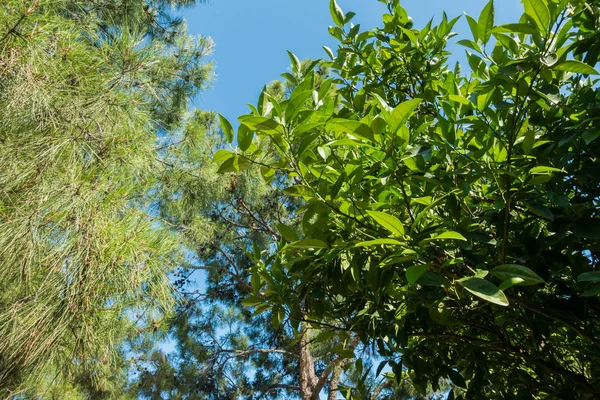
{"x":449,"y":219}
{"x":86,"y":89}
{"x":223,"y":349}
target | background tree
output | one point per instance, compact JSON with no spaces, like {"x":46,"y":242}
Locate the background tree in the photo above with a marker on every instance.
{"x":223,"y":349}
{"x":86,"y":88}
{"x":450,"y":220}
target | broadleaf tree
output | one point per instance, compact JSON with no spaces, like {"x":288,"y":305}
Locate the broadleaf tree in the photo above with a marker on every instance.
{"x":220,"y":347}
{"x":449,"y":212}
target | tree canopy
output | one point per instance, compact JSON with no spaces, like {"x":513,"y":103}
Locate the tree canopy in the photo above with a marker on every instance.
{"x":397,"y":220}
{"x":449,"y":213}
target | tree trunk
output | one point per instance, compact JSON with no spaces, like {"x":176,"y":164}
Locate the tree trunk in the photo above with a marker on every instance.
{"x":333,"y":383}
{"x":308,"y":378}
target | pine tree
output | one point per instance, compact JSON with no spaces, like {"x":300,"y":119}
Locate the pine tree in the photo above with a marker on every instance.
{"x":88,"y":90}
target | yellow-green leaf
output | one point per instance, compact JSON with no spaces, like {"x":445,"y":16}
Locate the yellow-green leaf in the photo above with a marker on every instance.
{"x":486,"y":22}
{"x":388,"y":221}
{"x":538,"y":11}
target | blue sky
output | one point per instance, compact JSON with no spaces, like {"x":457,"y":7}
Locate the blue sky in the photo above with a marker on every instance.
{"x":252,"y":37}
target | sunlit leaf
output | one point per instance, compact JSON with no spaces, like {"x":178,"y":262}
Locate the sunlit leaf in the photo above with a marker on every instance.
{"x":485,"y":290}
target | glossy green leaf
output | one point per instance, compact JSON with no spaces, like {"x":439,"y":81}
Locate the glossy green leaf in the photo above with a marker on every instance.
{"x":538,"y":11}
{"x":486,"y":22}
{"x":234,"y":164}
{"x":336,"y":13}
{"x":589,"y":136}
{"x":592,"y":276}
{"x":299,"y":190}
{"x":244,"y":137}
{"x":378,"y":242}
{"x":262,"y":124}
{"x":509,"y":271}
{"x":528,"y":142}
{"x":309,"y":244}
{"x":252,"y":301}
{"x":575,"y":66}
{"x":485,"y":290}
{"x":592,"y":290}
{"x":401,"y":113}
{"x":356,"y":128}
{"x":449,"y":235}
{"x":296,"y":65}
{"x":388,"y":221}
{"x":287,"y":232}
{"x":459,"y":99}
{"x":222,"y":155}
{"x":414,"y":273}
{"x":544,"y":170}
{"x":540,"y":210}
{"x":227,"y":128}
{"x":473,"y":25}
{"x":329,"y":52}
{"x":295,"y":104}
{"x":431,"y":279}
{"x":510,"y":283}
{"x":516,"y":28}
{"x":457,"y":378}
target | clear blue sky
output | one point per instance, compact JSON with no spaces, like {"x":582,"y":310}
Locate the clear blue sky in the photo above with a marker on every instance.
{"x":252,"y":37}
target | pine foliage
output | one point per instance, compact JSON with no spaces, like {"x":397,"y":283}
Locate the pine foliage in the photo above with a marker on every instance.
{"x":87,"y":88}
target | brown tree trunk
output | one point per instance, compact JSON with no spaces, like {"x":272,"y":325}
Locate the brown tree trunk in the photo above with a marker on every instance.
{"x":308,"y":378}
{"x":334,"y":382}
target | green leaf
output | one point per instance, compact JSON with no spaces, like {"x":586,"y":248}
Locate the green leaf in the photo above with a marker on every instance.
{"x":244,"y":137}
{"x":592,"y":276}
{"x":540,"y":210}
{"x":252,"y":301}
{"x":309,"y":244}
{"x":576,"y":67}
{"x":296,"y":66}
{"x":388,"y":221}
{"x":378,"y":242}
{"x":589,"y":136}
{"x":295,"y":104}
{"x":227,"y":128}
{"x":261,"y":124}
{"x":336,"y":13}
{"x":485,"y":290}
{"x":470,"y":44}
{"x":449,"y":235}
{"x":457,"y":378}
{"x":356,"y":128}
{"x":509,"y":271}
{"x":544,"y":170}
{"x":515,"y":28}
{"x":299,"y":190}
{"x":401,"y":113}
{"x":287,"y":232}
{"x":592,"y":290}
{"x":459,"y":99}
{"x":528,"y":142}
{"x":234,"y":164}
{"x":414,"y":273}
{"x":486,"y":22}
{"x":221,"y":156}
{"x":329,"y":52}
{"x":510,"y":283}
{"x":473,"y":26}
{"x":538,"y":11}
{"x":431,"y":279}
